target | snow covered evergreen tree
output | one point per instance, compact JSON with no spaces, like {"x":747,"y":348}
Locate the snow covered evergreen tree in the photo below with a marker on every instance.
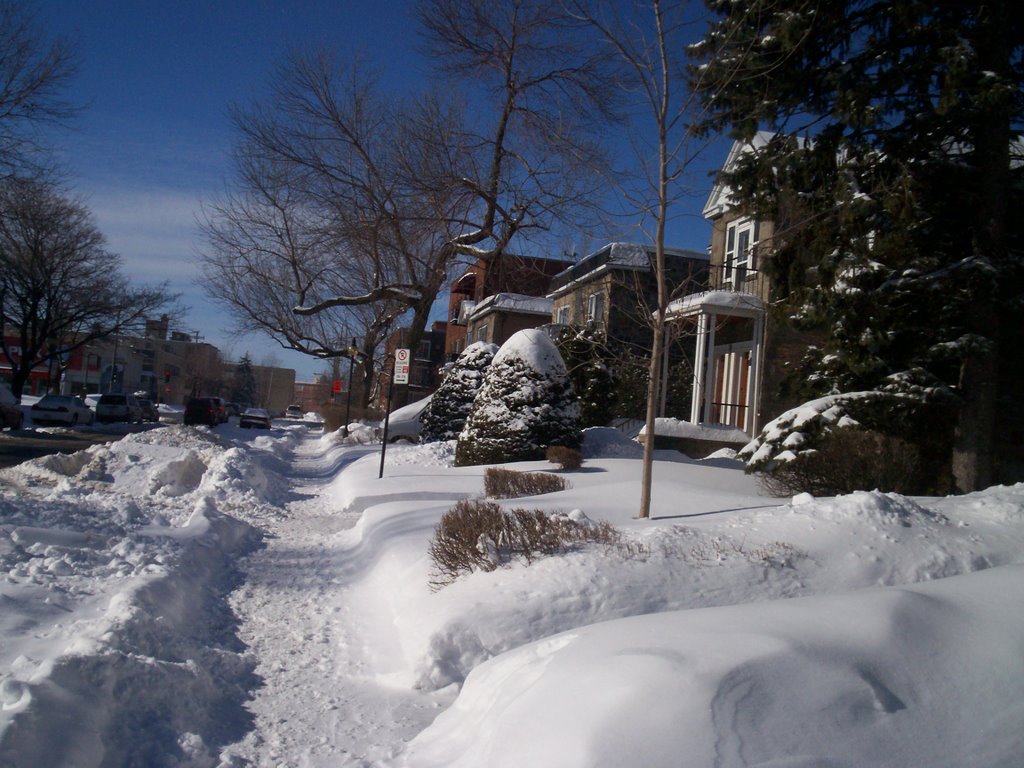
{"x":526,"y":404}
{"x":244,"y":389}
{"x":446,"y":413}
{"x":892,"y":179}
{"x":589,"y":365}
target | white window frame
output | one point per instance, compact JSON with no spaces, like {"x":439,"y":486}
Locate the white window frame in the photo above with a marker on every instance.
{"x":741,"y":239}
{"x":563,"y":315}
{"x":595,"y":308}
{"x":481,"y":333}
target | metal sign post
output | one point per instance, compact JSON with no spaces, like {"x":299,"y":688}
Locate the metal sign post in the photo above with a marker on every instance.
{"x":387,"y":411}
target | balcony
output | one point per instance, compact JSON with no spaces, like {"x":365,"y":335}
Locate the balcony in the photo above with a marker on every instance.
{"x":735,"y":291}
{"x":462,"y":311}
{"x":727,"y":277}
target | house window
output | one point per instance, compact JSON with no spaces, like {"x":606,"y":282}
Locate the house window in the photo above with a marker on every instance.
{"x":481,"y":333}
{"x":595,"y":308}
{"x":741,"y":240}
{"x":563,"y":316}
{"x":421,"y":376}
{"x":423,"y":350}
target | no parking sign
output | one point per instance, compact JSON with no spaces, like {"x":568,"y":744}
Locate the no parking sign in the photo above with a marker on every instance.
{"x":401,"y":366}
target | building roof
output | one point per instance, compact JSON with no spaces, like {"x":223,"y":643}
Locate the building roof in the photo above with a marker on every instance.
{"x":622,"y":256}
{"x":720,"y":200}
{"x":717,"y":302}
{"x":513,"y":302}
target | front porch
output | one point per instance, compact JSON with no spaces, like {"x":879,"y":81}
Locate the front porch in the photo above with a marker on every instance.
{"x":729,"y":357}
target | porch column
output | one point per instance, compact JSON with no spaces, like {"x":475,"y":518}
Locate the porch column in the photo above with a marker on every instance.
{"x":697,"y":398}
{"x":709,"y":368}
{"x":754,"y":390}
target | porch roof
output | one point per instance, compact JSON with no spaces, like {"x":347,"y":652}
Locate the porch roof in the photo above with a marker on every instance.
{"x":733,"y":303}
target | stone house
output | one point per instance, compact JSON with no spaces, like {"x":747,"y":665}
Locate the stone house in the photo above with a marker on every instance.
{"x":742,"y":356}
{"x":512,"y":275}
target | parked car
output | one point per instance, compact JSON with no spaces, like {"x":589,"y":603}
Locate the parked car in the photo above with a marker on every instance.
{"x":404,"y":423}
{"x":233,"y":409}
{"x":205,"y":410}
{"x":254,"y":418}
{"x":118,"y":407}
{"x":294,"y":412}
{"x":11,"y":414}
{"x":62,"y":409}
{"x":149,"y":409}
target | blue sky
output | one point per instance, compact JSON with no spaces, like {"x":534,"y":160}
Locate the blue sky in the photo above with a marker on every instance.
{"x":152,"y":143}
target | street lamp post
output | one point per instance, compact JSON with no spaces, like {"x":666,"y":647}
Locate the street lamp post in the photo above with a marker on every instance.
{"x":354,"y":357}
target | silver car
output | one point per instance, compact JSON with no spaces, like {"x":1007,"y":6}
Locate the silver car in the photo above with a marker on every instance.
{"x":118,"y":408}
{"x":66,"y":410}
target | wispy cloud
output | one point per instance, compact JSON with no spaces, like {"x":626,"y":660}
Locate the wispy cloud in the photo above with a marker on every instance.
{"x":154,"y":230}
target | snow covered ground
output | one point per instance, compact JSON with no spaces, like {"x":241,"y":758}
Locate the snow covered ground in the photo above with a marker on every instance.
{"x":194,"y":597}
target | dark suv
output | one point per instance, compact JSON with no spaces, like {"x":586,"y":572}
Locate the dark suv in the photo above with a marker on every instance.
{"x":205,"y":410}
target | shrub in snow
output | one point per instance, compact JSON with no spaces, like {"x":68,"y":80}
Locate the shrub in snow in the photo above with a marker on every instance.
{"x":848,"y":460}
{"x":849,"y":442}
{"x":525,"y":405}
{"x":445,"y":415}
{"x":481,"y":536}
{"x":566,"y":458}
{"x":507,"y":484}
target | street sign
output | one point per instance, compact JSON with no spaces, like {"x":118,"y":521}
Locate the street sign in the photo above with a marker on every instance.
{"x":401,"y":366}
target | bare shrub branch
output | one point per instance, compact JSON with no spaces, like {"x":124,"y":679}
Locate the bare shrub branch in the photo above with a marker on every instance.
{"x":508,"y":484}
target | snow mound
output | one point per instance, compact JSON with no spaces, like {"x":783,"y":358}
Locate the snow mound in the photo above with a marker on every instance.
{"x":608,"y":443}
{"x":758,"y":684}
{"x":534,"y":347}
{"x":873,"y":507}
{"x":440,"y":454}
{"x":178,"y":476}
{"x":669,"y":427}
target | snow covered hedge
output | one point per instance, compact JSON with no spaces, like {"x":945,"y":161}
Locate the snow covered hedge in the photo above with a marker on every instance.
{"x":450,"y":406}
{"x":526,"y":404}
{"x":797,"y":431}
{"x":852,"y":441}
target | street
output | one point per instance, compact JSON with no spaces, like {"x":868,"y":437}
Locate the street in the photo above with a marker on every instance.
{"x":20,"y":445}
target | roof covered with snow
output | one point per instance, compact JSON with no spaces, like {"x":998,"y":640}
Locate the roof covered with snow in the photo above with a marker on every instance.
{"x":717,"y":302}
{"x":625,"y":256}
{"x":512,"y":302}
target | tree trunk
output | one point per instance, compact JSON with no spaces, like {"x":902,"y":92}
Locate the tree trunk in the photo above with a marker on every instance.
{"x":974,"y":434}
{"x":661,"y":111}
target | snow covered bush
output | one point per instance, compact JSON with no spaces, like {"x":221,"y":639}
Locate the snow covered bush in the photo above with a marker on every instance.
{"x":848,"y":460}
{"x":590,"y":366}
{"x":526,"y":404}
{"x":445,"y":415}
{"x":856,"y":441}
{"x":508,"y":484}
{"x":481,"y":536}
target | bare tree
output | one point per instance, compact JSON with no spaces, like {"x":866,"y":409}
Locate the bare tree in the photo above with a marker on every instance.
{"x":321,"y":220}
{"x":541,"y":94}
{"x":345,"y":198}
{"x":59,"y":287}
{"x":649,"y":47}
{"x":33,"y":74}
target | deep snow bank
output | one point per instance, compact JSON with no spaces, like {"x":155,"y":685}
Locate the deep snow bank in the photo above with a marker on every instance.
{"x":724,"y":546}
{"x":115,"y":564}
{"x":924,"y":675}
